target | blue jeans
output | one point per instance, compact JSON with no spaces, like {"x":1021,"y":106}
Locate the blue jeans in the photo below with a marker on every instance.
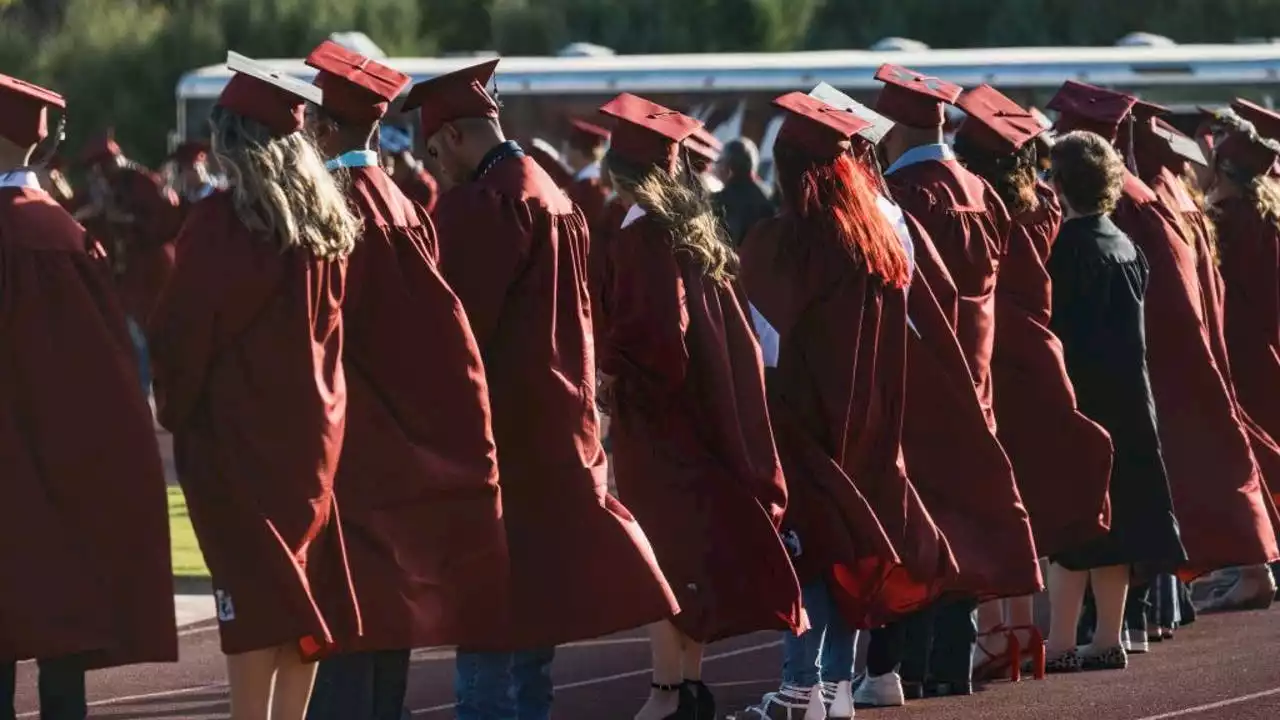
{"x":361,"y":686}
{"x":144,"y":359}
{"x":823,"y":653}
{"x":504,"y":686}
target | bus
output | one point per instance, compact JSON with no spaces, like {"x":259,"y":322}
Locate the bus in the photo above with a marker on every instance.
{"x":731,"y":92}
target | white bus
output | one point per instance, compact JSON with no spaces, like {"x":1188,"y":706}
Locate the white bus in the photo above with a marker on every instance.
{"x":538,"y":93}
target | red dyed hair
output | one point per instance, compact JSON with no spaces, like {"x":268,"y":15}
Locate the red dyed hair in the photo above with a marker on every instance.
{"x":839,"y":196}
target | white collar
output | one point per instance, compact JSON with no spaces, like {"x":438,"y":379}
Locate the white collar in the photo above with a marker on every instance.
{"x":922,"y":153}
{"x":635,"y":213}
{"x":20,"y":179}
{"x":590,"y":172}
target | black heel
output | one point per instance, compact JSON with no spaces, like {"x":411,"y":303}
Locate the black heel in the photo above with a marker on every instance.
{"x":683,"y":710}
{"x":697,"y":697}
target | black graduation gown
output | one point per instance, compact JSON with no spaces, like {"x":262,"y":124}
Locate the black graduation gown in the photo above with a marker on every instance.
{"x":1099,"y":284}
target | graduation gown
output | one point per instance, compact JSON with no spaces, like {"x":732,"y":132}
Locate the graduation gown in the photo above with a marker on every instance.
{"x":246,"y":346}
{"x":1217,"y":487}
{"x":421,"y":511}
{"x":969,"y":226}
{"x":693,"y":450}
{"x":944,"y":428}
{"x":960,"y":229}
{"x":1250,"y":251}
{"x":514,"y":249}
{"x":84,"y":533}
{"x":1061,"y":459}
{"x":836,"y":399}
{"x":590,"y":194}
{"x":600,"y":263}
{"x":1100,"y":280}
{"x":146,"y":242}
{"x":420,"y":186}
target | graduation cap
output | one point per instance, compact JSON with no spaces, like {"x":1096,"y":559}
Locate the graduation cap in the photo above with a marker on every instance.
{"x":587,"y":136}
{"x":24,"y":111}
{"x":272,"y":98}
{"x":1179,"y":145}
{"x":815,"y":127}
{"x":1086,"y":107}
{"x":356,"y":88}
{"x":996,"y":123}
{"x":1249,"y":152}
{"x":912,"y":98}
{"x":459,"y":94}
{"x":877,"y":125}
{"x":1266,"y":122}
{"x":648,"y":133}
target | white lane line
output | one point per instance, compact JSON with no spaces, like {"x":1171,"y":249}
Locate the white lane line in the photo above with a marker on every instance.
{"x":140,"y":698}
{"x":1214,"y":706}
{"x":622,"y":676}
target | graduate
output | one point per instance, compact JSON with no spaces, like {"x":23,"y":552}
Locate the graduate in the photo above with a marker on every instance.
{"x":704,"y":153}
{"x":422,"y":516}
{"x":827,"y":278}
{"x":682,"y":377}
{"x":191,"y":177}
{"x":409,"y":173}
{"x":1062,"y":474}
{"x":84,"y":534}
{"x":1244,"y":208}
{"x":247,"y":344}
{"x":514,"y":249}
{"x":589,"y":189}
{"x":949,"y":421}
{"x":1226,"y":522}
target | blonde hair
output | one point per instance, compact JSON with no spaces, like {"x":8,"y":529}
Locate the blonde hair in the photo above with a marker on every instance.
{"x":281,"y":188}
{"x":683,"y":209}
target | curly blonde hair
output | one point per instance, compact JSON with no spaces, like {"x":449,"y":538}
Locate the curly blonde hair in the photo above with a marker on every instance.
{"x":682,"y":208}
{"x":281,"y":188}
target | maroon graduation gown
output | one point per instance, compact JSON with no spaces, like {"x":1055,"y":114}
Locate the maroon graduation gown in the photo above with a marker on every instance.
{"x":945,"y":429}
{"x":1217,"y":489}
{"x":1250,"y":251}
{"x":147,"y":241}
{"x":514,"y":249}
{"x":421,"y":511}
{"x":969,"y":226}
{"x":246,"y":344}
{"x":693,"y":450}
{"x":836,"y":398}
{"x":600,"y":263}
{"x":1061,"y":459}
{"x":84,"y":534}
{"x":591,"y":196}
{"x":420,"y":186}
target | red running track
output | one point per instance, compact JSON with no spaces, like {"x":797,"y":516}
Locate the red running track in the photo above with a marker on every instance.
{"x":1225,"y":667}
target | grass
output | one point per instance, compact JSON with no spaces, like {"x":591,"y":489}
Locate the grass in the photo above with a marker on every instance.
{"x":187,"y":560}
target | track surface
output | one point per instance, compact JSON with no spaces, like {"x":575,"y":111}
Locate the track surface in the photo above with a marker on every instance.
{"x":1225,"y":667}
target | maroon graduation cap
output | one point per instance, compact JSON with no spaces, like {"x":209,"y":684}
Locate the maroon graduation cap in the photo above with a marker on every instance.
{"x":913,"y":99}
{"x":1086,"y":107}
{"x":356,"y":88}
{"x":1265,"y":121}
{"x":648,"y":133}
{"x":452,"y":96}
{"x":812,"y":126}
{"x":996,"y":123}
{"x":24,"y":111}
{"x":271,"y":98}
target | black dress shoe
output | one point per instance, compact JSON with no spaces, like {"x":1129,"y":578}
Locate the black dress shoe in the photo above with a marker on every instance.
{"x":948,"y":688}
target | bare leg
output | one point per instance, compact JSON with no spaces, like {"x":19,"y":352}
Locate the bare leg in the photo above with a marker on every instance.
{"x":1110,"y":588}
{"x":1066,"y":596}
{"x":691,"y":659}
{"x":252,"y":677}
{"x":667,"y":645}
{"x":294,"y":680}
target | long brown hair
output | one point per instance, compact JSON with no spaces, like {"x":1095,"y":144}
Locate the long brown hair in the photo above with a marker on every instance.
{"x":840,"y":196}
{"x":680,"y":205}
{"x":281,"y":188}
{"x":1013,"y":176}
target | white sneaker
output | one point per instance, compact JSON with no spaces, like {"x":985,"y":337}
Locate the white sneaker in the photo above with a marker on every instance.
{"x":880,"y":691}
{"x":1135,"y":641}
{"x":790,"y":702}
{"x":842,"y":702}
{"x":817,"y":709}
